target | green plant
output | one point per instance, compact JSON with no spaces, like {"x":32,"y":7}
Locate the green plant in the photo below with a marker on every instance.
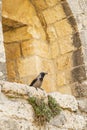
{"x":44,"y":112}
{"x":54,"y":106}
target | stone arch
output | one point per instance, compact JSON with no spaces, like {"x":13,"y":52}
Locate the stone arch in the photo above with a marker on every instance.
{"x":42,"y":35}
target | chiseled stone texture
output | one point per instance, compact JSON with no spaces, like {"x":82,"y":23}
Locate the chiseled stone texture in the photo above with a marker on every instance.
{"x":65,"y":101}
{"x":16,"y":113}
{"x":82,"y":102}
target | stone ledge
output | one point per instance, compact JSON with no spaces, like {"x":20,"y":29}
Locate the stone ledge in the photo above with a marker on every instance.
{"x":23,"y":90}
{"x":16,"y":113}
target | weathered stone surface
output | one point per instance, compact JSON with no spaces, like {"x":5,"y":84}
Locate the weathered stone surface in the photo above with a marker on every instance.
{"x":61,"y":79}
{"x":63,"y":28}
{"x":49,"y":83}
{"x":12,"y":51}
{"x":65,"y":101}
{"x":52,"y":2}
{"x":21,"y":89}
{"x":67,"y":120}
{"x":82,"y":103}
{"x":65,"y":89}
{"x":9,"y":24}
{"x":15,"y":14}
{"x":11,"y":70}
{"x":27,"y":66}
{"x":36,"y":29}
{"x":53,"y":14}
{"x":29,"y":17}
{"x":65,"y":44}
{"x":55,"y":52}
{"x":46,"y":65}
{"x":51,"y":33}
{"x":83,"y":89}
{"x":19,"y":34}
{"x":36,"y":47}
{"x":16,"y":113}
{"x":74,"y":121}
{"x":40,"y":5}
{"x":64,"y":62}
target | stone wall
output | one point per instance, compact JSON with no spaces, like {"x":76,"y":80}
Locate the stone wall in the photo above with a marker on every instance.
{"x":2,"y":51}
{"x":43,"y":36}
{"x":79,"y":10}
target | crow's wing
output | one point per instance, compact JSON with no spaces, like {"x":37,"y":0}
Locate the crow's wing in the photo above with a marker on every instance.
{"x":32,"y":83}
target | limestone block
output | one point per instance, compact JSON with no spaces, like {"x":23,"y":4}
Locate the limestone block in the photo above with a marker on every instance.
{"x":38,"y":94}
{"x":45,"y":65}
{"x":67,"y":120}
{"x":15,"y":89}
{"x":64,"y":89}
{"x":27,"y":66}
{"x":61,"y":78}
{"x":36,"y":29}
{"x":64,"y":62}
{"x":12,"y":51}
{"x":51,"y":15}
{"x":36,"y":47}
{"x":40,"y":4}
{"x":74,"y":121}
{"x":83,"y":89}
{"x":52,"y":2}
{"x":27,"y":48}
{"x":66,"y":44}
{"x":26,"y":15}
{"x":49,"y":83}
{"x":55,"y":52}
{"x":82,"y":103}
{"x":8,"y":23}
{"x":63,"y":28}
{"x":65,"y":101}
{"x":17,"y":35}
{"x":15,"y":115}
{"x":11,"y":72}
{"x":23,"y":14}
{"x":51,"y":33}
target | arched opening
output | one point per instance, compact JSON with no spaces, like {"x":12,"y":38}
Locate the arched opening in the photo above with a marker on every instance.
{"x":42,"y":36}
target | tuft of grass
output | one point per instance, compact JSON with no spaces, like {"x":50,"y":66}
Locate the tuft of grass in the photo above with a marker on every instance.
{"x":44,"y":112}
{"x":54,"y":106}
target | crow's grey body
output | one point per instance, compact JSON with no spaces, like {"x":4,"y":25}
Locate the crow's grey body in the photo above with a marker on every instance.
{"x":37,"y":82}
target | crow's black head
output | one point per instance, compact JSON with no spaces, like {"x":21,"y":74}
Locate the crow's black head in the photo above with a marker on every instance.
{"x":43,"y":74}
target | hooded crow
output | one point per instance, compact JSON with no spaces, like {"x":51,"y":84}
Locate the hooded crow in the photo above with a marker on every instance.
{"x":37,"y":82}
